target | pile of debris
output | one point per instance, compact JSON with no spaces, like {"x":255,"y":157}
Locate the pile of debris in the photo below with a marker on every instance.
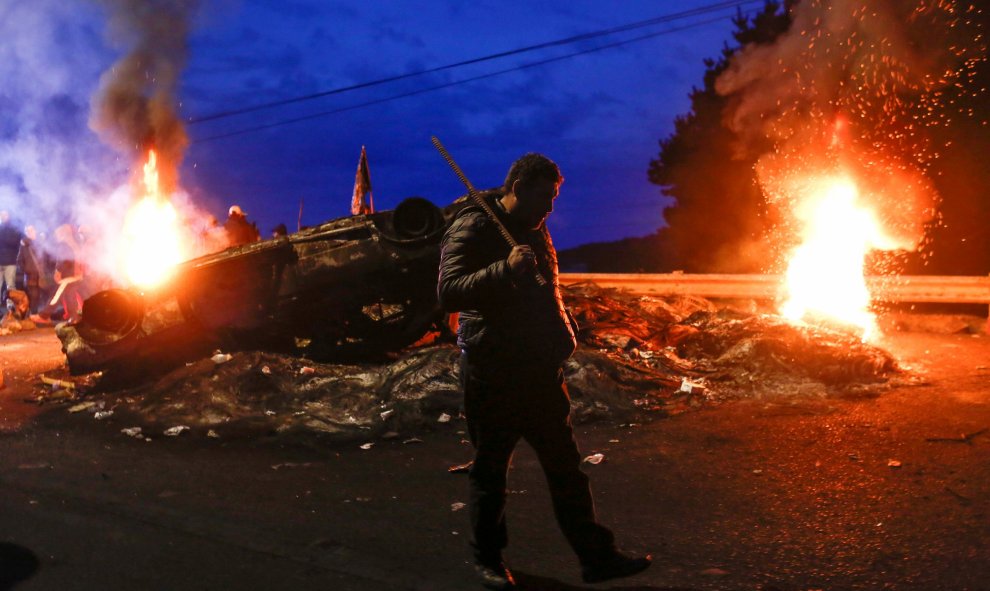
{"x":639,"y":358}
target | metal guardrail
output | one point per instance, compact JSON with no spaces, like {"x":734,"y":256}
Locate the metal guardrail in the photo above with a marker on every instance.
{"x":903,"y":288}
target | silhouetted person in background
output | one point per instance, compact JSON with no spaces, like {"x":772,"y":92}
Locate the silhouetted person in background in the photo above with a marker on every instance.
{"x":239,"y":230}
{"x":68,"y":275}
{"x":10,"y":245}
{"x":31,"y":263}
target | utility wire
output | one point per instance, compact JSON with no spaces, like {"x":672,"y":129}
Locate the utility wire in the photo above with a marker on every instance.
{"x":454,"y":83}
{"x":565,"y":41}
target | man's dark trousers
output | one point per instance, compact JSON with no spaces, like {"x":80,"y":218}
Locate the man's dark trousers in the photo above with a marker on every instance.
{"x":504,"y":403}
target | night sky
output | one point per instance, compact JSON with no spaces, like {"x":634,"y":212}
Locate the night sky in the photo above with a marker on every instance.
{"x":599,"y":114}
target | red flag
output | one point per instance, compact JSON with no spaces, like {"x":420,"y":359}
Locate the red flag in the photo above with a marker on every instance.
{"x":361,"y":201}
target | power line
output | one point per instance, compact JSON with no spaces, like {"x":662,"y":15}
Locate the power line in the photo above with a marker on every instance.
{"x":450,"y":84}
{"x":565,"y":41}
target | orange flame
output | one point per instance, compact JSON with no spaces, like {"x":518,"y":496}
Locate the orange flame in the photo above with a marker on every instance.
{"x":151,"y":239}
{"x":825,"y":275}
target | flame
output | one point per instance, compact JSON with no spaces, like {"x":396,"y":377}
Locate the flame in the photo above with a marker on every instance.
{"x":152,"y":245}
{"x":825,"y":274}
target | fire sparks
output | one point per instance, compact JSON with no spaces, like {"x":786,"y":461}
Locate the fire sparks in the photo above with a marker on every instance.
{"x":825,"y":274}
{"x":151,"y":238}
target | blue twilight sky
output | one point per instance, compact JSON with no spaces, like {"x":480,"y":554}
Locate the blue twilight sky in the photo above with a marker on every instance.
{"x":599,"y":115}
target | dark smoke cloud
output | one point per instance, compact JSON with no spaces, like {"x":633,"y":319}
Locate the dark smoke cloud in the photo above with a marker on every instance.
{"x":136,"y":106}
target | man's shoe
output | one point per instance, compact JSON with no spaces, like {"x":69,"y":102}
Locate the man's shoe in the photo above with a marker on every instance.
{"x":614,"y":566}
{"x":495,"y":576}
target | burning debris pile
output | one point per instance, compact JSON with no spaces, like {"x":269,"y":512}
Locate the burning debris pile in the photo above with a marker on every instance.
{"x":723,"y":351}
{"x":640,"y":357}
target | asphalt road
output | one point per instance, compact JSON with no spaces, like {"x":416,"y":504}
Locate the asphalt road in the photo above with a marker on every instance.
{"x":786,"y":494}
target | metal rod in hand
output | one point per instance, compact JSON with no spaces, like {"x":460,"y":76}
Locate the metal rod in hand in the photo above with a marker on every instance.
{"x":473,"y":194}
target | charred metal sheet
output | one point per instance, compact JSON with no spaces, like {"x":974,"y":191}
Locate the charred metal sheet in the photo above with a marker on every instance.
{"x":357,"y":285}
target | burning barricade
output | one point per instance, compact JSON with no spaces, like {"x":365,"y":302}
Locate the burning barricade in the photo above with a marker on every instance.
{"x":640,"y":358}
{"x":361,"y":284}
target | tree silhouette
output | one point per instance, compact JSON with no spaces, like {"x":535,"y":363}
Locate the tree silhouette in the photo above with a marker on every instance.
{"x":720,"y":216}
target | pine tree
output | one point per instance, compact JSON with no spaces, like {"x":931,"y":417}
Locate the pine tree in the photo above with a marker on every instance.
{"x":719,"y":216}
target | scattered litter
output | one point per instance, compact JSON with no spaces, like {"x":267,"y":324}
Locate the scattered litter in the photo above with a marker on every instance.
{"x":757,"y":471}
{"x":302,"y":343}
{"x":266,"y":370}
{"x":132,"y":432}
{"x":457,"y":506}
{"x":413,"y":440}
{"x":894,"y":463}
{"x":444,"y":418}
{"x":36,"y":466}
{"x":221,"y":358}
{"x":212,"y":434}
{"x":613,"y":441}
{"x":82,"y":406}
{"x":55,"y":383}
{"x":103,"y":414}
{"x":460,"y":468}
{"x":292,"y":465}
{"x":715,"y":572}
{"x":363,"y":499}
{"x":386,"y":414}
{"x":963,"y":438}
{"x":595,"y":459}
{"x":307,"y":370}
{"x":270,"y":413}
{"x":176,"y":431}
{"x":690,"y":387}
{"x":367,"y":445}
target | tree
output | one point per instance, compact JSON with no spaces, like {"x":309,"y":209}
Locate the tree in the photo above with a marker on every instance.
{"x":719,"y":216}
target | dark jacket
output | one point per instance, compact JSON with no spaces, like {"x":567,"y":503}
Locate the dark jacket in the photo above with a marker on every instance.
{"x":240,"y":231}
{"x":10,"y":243}
{"x":503,"y":321}
{"x":27,"y":259}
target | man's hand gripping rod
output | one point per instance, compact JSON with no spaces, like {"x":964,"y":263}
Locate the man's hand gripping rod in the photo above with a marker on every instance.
{"x":473,"y":194}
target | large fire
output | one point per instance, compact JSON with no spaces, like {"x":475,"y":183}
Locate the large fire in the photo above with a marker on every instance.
{"x":825,"y":274}
{"x":152,"y":244}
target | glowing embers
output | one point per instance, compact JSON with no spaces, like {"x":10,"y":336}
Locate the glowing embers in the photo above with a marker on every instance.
{"x":825,"y":274}
{"x":152,"y":245}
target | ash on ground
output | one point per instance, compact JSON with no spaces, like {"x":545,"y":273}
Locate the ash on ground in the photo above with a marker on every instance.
{"x":639,"y":358}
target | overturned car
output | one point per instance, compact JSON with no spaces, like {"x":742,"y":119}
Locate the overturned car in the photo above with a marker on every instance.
{"x":360,"y":285}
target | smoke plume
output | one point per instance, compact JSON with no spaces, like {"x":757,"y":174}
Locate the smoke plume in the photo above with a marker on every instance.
{"x":135,"y":108}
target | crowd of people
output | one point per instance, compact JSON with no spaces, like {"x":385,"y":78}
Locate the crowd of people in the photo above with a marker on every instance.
{"x":46,"y":278}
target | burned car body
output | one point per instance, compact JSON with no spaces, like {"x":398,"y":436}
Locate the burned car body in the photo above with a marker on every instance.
{"x":358,"y":285}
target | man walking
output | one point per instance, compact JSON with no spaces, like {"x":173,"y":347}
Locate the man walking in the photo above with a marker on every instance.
{"x":515,"y":335}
